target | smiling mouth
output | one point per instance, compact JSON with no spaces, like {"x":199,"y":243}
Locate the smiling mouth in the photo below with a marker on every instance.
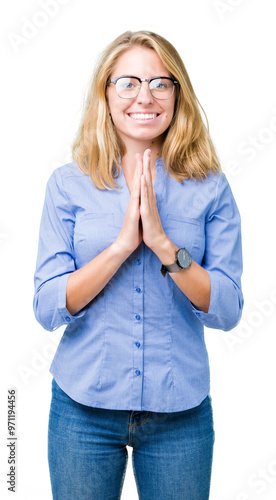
{"x":143,"y":116}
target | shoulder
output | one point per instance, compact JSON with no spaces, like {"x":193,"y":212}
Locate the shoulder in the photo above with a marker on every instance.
{"x":222,"y":196}
{"x":210,"y":183}
{"x":214,"y":186}
{"x":67,"y":171}
{"x":213,"y":180}
{"x":66,"y":179}
{"x":209,"y":187}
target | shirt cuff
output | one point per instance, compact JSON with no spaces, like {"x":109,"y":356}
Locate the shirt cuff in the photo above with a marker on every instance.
{"x":66,"y":316}
{"x":223,"y":313}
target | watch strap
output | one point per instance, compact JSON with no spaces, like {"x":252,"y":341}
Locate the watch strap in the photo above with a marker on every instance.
{"x":171,"y":268}
{"x":177,"y":265}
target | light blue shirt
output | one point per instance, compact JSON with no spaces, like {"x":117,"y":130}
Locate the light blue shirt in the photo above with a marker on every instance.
{"x":139,"y":344}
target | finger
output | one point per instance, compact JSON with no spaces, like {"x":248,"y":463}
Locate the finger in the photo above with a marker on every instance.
{"x":144,"y":188}
{"x":146,"y":197}
{"x":137,"y":174}
{"x":139,"y":162}
{"x":147,"y":169}
{"x":135,"y":199}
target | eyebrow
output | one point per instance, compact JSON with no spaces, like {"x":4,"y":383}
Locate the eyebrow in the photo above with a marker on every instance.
{"x":143,"y":79}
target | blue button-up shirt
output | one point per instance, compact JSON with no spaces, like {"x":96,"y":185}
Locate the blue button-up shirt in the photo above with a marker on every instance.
{"x":139,"y":344}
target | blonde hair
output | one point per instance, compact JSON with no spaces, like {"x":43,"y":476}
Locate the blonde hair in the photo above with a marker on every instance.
{"x":187,"y":152}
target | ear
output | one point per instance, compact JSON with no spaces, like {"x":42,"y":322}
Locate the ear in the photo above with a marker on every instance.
{"x":107,"y":107}
{"x":108,"y":111}
{"x":107,"y":100}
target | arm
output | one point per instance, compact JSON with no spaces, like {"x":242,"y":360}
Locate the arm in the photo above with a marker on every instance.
{"x":85,"y":283}
{"x":55,"y":257}
{"x":61,"y":291}
{"x":223,"y":260}
{"x":213,"y":288}
{"x":193,"y":282}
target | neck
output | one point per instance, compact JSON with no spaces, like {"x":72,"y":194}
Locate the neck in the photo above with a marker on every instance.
{"x":128,"y":161}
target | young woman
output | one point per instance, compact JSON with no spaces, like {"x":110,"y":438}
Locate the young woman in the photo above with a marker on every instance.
{"x":140,"y":247}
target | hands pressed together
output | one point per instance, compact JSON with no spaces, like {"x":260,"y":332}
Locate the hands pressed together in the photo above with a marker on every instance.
{"x":142,"y":221}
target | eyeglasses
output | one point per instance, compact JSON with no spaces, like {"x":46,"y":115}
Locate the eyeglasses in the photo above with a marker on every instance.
{"x":128,"y":87}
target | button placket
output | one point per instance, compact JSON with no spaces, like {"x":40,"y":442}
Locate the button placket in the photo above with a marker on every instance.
{"x":138,"y":341}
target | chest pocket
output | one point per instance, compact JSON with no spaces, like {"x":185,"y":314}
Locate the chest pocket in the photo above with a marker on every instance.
{"x":94,"y":232}
{"x":185,"y":232}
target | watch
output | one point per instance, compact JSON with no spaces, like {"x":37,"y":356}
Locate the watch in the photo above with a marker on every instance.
{"x":183,"y":260}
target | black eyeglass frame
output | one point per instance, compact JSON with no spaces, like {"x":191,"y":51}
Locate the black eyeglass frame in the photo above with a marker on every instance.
{"x":149,"y":80}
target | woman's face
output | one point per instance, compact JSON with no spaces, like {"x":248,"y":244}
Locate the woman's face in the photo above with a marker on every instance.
{"x":142,"y":118}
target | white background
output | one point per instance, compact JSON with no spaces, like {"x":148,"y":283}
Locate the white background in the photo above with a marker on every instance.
{"x":228,"y":47}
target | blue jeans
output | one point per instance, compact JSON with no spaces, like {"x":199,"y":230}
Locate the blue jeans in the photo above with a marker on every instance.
{"x":172,"y":452}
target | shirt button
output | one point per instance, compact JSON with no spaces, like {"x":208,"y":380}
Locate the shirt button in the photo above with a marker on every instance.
{"x":138,"y":344}
{"x":68,"y":319}
{"x":138,"y":262}
{"x":138,"y":317}
{"x":138,"y":290}
{"x":137,"y":372}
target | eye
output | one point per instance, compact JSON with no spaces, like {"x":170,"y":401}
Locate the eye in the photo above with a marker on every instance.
{"x":127,"y":83}
{"x":160,"y":84}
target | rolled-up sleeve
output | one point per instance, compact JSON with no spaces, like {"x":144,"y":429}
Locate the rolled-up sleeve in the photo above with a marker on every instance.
{"x":223,"y":260}
{"x":55,"y":258}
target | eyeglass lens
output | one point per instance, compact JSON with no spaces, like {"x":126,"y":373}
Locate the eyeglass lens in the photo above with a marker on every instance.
{"x":129,"y":87}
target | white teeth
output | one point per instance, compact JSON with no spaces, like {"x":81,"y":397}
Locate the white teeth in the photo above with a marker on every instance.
{"x":143,"y":116}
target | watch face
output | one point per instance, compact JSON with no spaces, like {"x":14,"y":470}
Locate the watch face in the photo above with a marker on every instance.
{"x":184,"y":258}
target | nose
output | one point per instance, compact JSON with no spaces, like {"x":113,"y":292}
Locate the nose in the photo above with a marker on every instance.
{"x":144,"y":95}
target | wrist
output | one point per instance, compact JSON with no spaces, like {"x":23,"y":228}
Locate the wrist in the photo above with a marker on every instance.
{"x":119,"y":250}
{"x":165,"y":250}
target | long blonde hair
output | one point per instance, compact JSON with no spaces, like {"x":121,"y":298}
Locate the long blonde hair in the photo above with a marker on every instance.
{"x":187,"y":152}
